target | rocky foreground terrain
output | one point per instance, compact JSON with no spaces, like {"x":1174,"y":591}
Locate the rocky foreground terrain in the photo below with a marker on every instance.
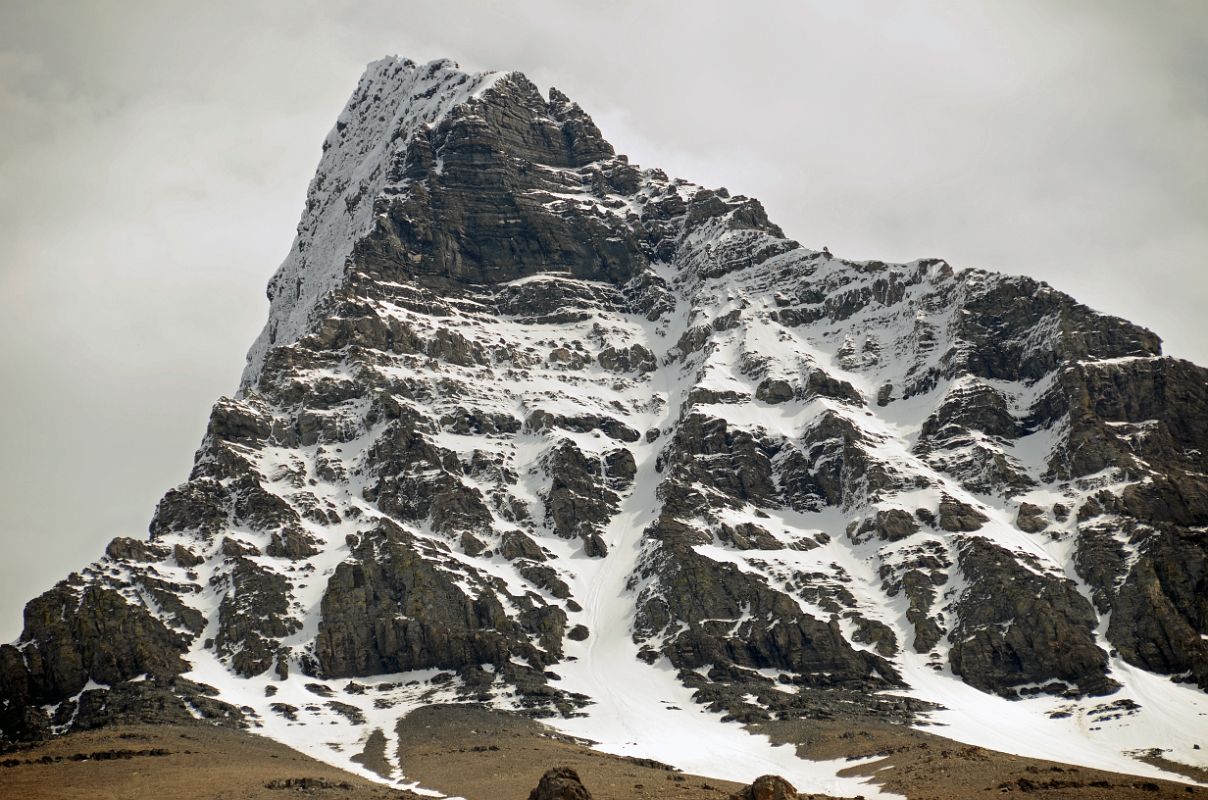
{"x":480,"y":754}
{"x":531,"y":428}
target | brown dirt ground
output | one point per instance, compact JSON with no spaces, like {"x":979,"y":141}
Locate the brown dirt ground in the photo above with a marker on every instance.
{"x":484,"y":755}
{"x":924,"y":766}
{"x":202,"y":763}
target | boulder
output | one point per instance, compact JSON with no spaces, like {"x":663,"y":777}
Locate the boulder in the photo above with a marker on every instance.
{"x":560,"y":783}
{"x":767,"y":787}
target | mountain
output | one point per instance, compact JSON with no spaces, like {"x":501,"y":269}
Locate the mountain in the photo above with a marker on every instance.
{"x":532,"y":428}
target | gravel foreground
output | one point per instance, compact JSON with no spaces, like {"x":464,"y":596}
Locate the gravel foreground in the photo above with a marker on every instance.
{"x":483,"y":755}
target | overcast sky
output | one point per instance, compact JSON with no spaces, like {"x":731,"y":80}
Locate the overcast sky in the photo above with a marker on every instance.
{"x":154,"y":159}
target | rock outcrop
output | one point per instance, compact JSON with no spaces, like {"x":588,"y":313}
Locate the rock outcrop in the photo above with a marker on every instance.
{"x":560,"y":783}
{"x":767,"y":787}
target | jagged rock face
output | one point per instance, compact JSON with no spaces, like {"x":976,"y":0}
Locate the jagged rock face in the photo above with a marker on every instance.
{"x":393,"y":608}
{"x":1018,"y":625}
{"x":503,"y":364}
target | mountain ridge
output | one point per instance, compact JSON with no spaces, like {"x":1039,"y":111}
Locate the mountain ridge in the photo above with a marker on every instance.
{"x":531,"y":427}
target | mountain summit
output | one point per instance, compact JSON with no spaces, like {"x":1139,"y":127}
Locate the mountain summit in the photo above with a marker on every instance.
{"x":532,"y":428}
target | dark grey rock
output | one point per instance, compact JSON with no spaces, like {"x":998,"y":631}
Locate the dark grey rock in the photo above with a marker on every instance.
{"x":1018,"y":627}
{"x":560,"y":783}
{"x":767,"y":787}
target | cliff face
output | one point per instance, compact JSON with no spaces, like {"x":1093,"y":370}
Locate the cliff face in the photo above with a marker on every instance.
{"x":529,"y":425}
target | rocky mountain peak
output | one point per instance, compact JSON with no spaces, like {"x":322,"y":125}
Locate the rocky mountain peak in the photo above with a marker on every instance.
{"x":533,"y":428}
{"x":410,"y":131}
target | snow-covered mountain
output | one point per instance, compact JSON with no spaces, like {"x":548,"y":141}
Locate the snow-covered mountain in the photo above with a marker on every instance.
{"x":532,"y":427}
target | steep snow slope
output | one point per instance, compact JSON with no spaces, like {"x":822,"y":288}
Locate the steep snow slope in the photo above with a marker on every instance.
{"x":534,"y":428}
